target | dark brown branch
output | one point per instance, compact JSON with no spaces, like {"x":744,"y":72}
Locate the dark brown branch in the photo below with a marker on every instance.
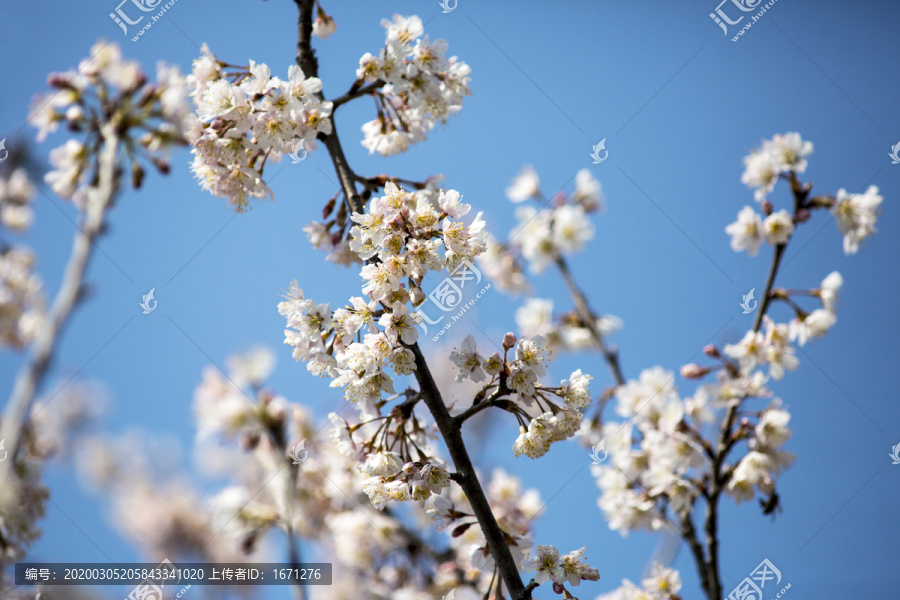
{"x":357,"y":93}
{"x":468,"y":480}
{"x":690,"y":535}
{"x":451,"y":433}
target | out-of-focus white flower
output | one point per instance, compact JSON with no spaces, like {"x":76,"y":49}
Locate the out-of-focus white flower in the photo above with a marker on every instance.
{"x":21,"y":297}
{"x":501,"y":266}
{"x":815,"y":324}
{"x":525,"y":185}
{"x":782,"y":154}
{"x":778,"y":227}
{"x":588,"y":191}
{"x":829,"y":290}
{"x":571,"y":228}
{"x":856,"y":216}
{"x":252,"y":367}
{"x":747,"y":232}
{"x":16,"y":194}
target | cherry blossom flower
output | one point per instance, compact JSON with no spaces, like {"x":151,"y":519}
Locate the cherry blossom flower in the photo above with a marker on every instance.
{"x":525,"y":185}
{"x":747,"y":232}
{"x":778,"y":227}
{"x":468,"y":361}
{"x":856,"y":216}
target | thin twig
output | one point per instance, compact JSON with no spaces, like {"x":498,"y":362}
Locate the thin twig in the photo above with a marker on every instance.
{"x":586,"y":315}
{"x":357,"y":93}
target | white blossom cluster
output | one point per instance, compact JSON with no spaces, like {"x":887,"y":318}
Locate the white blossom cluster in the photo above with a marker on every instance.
{"x":543,"y":234}
{"x":21,"y":294}
{"x":658,"y":458}
{"x":519,"y":376}
{"x":779,"y":156}
{"x":105,"y":92}
{"x":421,"y":86}
{"x":571,"y":568}
{"x":372,"y":550}
{"x":401,"y":235}
{"x":248,"y":118}
{"x":784,"y":156}
{"x":662,"y":583}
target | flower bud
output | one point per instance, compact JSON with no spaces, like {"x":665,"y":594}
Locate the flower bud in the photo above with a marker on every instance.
{"x":509,"y":340}
{"x":329,"y":206}
{"x":559,"y":199}
{"x":417,"y":296}
{"x":803,"y":215}
{"x":767,"y":207}
{"x":711,"y":351}
{"x":694,"y":371}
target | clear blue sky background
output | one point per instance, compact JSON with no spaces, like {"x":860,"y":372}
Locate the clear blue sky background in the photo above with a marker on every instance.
{"x":680,"y":105}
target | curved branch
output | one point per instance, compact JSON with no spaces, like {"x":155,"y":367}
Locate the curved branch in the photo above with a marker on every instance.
{"x":467,"y":479}
{"x":34,"y":371}
{"x":354,"y":93}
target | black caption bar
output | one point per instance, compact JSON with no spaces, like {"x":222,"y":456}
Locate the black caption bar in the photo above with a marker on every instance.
{"x":171,"y":576}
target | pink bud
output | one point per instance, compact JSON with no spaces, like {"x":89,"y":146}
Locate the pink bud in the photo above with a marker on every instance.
{"x":803,"y":215}
{"x":767,"y":207}
{"x":509,"y":340}
{"x":559,"y":199}
{"x":711,"y":351}
{"x":693,"y":371}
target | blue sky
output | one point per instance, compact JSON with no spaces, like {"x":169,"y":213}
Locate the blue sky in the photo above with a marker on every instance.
{"x":679,"y":104}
